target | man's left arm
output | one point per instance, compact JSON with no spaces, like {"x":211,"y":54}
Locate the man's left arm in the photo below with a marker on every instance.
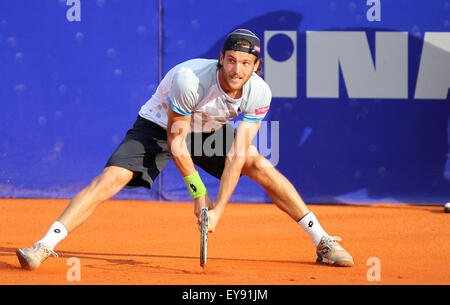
{"x":234,"y":163}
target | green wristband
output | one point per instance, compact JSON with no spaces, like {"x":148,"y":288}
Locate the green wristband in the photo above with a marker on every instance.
{"x":195,"y":185}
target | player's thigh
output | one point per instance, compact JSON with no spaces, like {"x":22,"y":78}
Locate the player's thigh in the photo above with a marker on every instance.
{"x":143,"y":151}
{"x":113,"y":178}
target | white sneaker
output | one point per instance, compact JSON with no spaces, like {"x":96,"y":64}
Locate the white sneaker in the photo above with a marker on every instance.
{"x":30,"y":258}
{"x":331,"y":253}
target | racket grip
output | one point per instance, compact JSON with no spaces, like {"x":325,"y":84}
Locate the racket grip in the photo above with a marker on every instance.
{"x":204,"y":236}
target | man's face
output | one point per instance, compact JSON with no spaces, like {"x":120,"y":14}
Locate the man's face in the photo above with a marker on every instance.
{"x":237,"y":67}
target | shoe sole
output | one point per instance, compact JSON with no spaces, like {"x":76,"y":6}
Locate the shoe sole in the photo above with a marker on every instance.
{"x":23,"y":261}
{"x":340,"y":263}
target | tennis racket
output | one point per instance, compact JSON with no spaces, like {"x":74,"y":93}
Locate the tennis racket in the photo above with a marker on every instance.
{"x":204,"y":237}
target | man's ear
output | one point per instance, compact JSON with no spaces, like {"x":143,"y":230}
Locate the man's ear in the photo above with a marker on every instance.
{"x":221,"y":59}
{"x":257,"y":63}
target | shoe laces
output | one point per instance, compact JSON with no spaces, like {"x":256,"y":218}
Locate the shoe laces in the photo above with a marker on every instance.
{"x":47,"y":251}
{"x":331,"y":239}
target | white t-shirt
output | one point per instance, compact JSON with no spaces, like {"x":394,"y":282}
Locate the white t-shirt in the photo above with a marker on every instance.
{"x":192,"y":88}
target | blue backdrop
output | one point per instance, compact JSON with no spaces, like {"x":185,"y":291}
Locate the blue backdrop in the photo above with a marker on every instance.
{"x":74,"y":74}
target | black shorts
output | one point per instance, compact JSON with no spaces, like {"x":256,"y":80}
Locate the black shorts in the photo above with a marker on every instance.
{"x":144,"y":150}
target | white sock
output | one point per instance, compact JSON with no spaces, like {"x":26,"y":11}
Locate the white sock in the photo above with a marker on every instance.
{"x":311,"y":225}
{"x":55,"y":234}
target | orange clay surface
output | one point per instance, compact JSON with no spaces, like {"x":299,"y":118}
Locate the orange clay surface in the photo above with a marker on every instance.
{"x":158,"y":243}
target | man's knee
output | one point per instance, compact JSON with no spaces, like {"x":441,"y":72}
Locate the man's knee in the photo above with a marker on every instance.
{"x":256,"y":164}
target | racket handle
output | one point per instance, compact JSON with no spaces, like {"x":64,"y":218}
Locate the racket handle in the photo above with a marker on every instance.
{"x":204,"y":236}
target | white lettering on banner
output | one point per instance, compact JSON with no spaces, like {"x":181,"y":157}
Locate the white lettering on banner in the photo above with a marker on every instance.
{"x":384,"y":77}
{"x":281,"y":74}
{"x":433,"y":80}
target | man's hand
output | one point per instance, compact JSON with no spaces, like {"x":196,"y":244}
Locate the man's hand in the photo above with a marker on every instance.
{"x":201,"y":202}
{"x":213,"y":219}
{"x":213,"y":215}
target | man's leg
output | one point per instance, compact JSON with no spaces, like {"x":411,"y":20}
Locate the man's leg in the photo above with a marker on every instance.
{"x":285,"y":196}
{"x":102,"y":188}
{"x":278,"y":187}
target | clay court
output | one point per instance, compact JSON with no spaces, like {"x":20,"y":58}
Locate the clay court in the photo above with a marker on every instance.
{"x":157,"y":243}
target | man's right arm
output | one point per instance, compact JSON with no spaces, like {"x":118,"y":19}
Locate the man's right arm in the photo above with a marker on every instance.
{"x":177,"y":130}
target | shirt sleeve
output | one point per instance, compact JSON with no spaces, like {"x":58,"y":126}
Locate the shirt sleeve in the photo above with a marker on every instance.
{"x":258,"y":104}
{"x":184,"y":92}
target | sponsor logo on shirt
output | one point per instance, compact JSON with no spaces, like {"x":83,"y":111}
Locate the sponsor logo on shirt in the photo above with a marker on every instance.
{"x":262,"y":110}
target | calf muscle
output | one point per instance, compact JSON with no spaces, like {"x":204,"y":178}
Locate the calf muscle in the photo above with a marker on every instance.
{"x":102,"y":188}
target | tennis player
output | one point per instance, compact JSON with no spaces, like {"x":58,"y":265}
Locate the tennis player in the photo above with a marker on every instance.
{"x":186,"y":121}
